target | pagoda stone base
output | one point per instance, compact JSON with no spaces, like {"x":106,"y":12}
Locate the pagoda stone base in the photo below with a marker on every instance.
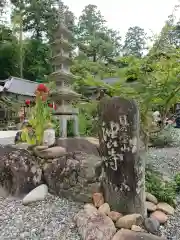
{"x":63,"y":125}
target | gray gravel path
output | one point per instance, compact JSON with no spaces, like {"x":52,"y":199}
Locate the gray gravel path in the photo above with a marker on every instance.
{"x":50,"y":219}
{"x":167,"y":161}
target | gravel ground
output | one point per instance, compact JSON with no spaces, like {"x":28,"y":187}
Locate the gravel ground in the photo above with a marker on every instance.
{"x":50,"y":219}
{"x":172,"y":228}
{"x":167,"y":161}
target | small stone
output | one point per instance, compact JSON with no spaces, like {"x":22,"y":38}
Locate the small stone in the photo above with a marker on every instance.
{"x":40,"y":148}
{"x":152,"y":225}
{"x":114,"y":215}
{"x":151,"y":198}
{"x":98,"y":199}
{"x":151,"y":207}
{"x":125,"y":234}
{"x":129,"y":220}
{"x":136,"y":228}
{"x":90,"y":207}
{"x":37,"y":194}
{"x":49,"y":153}
{"x":160,"y":216}
{"x":105,"y":208}
{"x":24,"y":235}
{"x":166,"y":208}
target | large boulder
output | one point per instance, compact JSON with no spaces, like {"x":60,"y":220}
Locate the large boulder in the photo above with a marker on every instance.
{"x":19,"y":170}
{"x":74,"y":175}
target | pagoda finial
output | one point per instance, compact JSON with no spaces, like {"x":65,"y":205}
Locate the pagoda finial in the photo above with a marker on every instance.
{"x":61,"y":12}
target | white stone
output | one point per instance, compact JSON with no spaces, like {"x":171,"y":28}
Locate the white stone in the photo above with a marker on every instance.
{"x":37,"y":194}
{"x":49,"y":137}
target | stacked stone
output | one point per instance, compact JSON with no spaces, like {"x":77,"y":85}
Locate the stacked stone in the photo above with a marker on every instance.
{"x":63,"y":96}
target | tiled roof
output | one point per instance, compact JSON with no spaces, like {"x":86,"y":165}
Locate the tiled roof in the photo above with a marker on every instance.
{"x":110,"y":80}
{"x":20,"y":86}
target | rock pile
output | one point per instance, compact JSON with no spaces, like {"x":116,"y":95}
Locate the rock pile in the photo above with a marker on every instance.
{"x":71,"y":175}
{"x":157,"y":210}
{"x":92,"y":219}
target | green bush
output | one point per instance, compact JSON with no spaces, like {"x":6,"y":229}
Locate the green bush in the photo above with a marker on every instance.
{"x":56,"y":125}
{"x":87,"y":119}
{"x":164,"y":191}
{"x":70,"y":128}
{"x":177,"y":180}
{"x":162,"y":139}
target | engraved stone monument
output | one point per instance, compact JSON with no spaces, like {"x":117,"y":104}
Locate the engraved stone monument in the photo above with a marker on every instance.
{"x":123,"y":177}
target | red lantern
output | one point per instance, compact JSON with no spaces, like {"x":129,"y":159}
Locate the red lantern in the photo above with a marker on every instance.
{"x":27,"y":102}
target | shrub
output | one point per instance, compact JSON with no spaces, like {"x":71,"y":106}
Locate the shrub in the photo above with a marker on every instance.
{"x":163,"y":190}
{"x":87,"y":119}
{"x":177,"y":180}
{"x":162,"y":138}
{"x":70,"y":128}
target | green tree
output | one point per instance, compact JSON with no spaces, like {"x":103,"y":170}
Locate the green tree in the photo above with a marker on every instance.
{"x":94,"y":38}
{"x":9,"y":53}
{"x":135,"y":42}
{"x":36,"y":60}
{"x":42,"y":16}
{"x":18,"y":20}
{"x":157,"y":86}
{"x":169,"y":36}
{"x":177,"y":34}
{"x":3,"y":4}
{"x":39,"y":15}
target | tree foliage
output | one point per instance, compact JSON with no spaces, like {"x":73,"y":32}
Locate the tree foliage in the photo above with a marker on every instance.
{"x":36,"y":60}
{"x":135,"y":42}
{"x":95,"y":40}
{"x":152,"y":79}
{"x":8,"y":53}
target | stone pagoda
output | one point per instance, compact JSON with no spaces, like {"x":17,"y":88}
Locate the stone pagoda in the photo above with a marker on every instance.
{"x":63,"y":95}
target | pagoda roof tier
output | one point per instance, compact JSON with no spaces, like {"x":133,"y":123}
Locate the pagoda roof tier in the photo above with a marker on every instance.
{"x":61,"y":75}
{"x":61,"y":43}
{"x":65,"y":94}
{"x":61,"y":58}
{"x":62,"y":30}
